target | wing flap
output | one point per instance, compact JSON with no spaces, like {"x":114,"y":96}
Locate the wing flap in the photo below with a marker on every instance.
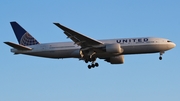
{"x":18,"y":47}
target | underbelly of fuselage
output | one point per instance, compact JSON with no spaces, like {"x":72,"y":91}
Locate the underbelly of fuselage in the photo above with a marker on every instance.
{"x":141,"y":49}
{"x":74,"y":53}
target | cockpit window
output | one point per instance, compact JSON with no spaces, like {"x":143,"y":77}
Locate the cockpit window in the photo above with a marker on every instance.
{"x":169,"y":41}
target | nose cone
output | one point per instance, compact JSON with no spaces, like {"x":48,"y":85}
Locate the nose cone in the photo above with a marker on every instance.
{"x":172,"y":45}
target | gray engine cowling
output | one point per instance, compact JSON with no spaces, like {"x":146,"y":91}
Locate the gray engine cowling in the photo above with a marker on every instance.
{"x":113,"y":48}
{"x":116,"y":59}
{"x":76,"y":53}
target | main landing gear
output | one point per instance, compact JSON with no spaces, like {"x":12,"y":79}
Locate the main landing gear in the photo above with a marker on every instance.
{"x":160,"y":57}
{"x":89,"y":57}
{"x":93,"y":65}
{"x":92,"y":60}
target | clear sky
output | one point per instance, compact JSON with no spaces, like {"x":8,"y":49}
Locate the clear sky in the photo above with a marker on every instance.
{"x":140,"y":78}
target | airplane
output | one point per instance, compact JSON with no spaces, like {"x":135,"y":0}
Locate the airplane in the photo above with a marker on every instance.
{"x":86,"y":48}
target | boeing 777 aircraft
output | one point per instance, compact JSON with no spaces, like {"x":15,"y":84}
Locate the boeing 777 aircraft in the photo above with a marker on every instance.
{"x":86,"y":48}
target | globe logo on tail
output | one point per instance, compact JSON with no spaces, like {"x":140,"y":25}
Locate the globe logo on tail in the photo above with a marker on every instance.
{"x":27,"y":40}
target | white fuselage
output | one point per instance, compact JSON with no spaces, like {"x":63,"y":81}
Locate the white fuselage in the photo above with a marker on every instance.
{"x":71,"y":50}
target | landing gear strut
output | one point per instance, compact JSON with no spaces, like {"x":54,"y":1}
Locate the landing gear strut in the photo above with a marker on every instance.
{"x":92,"y":60}
{"x":160,"y":57}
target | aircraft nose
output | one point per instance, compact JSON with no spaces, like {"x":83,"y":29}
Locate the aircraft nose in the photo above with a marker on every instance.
{"x":172,"y":45}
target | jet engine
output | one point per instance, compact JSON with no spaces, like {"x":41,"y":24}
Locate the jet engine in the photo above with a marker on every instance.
{"x":116,"y":59}
{"x":113,"y":48}
{"x":76,"y":53}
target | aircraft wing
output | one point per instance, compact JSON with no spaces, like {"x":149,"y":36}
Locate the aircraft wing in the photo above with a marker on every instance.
{"x":78,"y":38}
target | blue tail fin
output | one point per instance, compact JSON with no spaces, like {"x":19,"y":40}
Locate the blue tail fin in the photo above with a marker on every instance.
{"x":23,"y":37}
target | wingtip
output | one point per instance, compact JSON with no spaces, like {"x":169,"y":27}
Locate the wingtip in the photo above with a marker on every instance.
{"x":6,"y":42}
{"x":56,"y":23}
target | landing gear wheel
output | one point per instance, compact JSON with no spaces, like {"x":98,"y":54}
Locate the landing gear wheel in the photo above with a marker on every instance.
{"x":160,"y":57}
{"x":96,"y":64}
{"x":86,"y":61}
{"x":89,"y":66}
{"x":93,"y":65}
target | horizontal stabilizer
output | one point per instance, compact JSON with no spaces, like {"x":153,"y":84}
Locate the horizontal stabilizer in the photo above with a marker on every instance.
{"x":18,"y":47}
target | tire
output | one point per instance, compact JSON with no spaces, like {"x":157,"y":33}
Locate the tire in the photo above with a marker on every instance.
{"x":89,"y":66}
{"x":93,"y":65}
{"x":96,"y":64}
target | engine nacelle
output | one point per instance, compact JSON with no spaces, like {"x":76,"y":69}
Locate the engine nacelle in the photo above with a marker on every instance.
{"x":76,"y":53}
{"x":113,"y":48}
{"x":116,"y":59}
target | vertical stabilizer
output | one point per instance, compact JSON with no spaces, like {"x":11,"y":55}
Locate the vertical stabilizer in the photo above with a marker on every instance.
{"x":23,"y":37}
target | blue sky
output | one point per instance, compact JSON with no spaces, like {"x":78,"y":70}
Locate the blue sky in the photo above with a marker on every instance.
{"x":140,"y":78}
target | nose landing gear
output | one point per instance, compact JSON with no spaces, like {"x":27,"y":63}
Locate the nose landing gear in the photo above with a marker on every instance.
{"x":160,"y":57}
